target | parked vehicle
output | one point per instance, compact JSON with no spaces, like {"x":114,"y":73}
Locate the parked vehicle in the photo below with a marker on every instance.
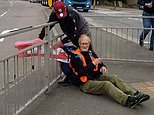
{"x":79,"y":4}
{"x":47,"y":2}
{"x":44,"y":2}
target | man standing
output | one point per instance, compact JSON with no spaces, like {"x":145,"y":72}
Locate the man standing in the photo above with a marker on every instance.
{"x":71,"y":22}
{"x":148,"y":10}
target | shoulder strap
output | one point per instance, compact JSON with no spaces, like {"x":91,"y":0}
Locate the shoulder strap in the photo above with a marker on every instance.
{"x":81,"y":56}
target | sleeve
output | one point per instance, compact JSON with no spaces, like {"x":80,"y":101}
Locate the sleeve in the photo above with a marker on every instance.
{"x":51,"y":19}
{"x":141,"y":2}
{"x":76,"y":18}
{"x":66,"y":40}
{"x":153,"y":3}
{"x":74,"y":15}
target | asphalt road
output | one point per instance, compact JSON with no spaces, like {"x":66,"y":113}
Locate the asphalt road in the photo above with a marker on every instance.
{"x":18,"y":14}
{"x":71,"y":101}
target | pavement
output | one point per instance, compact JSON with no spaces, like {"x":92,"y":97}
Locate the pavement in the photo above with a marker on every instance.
{"x":115,"y":8}
{"x":70,"y":100}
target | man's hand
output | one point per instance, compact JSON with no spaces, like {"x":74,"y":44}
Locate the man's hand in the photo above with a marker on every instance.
{"x":57,"y":44}
{"x":103,"y":70}
{"x":97,"y":61}
{"x":149,"y":5}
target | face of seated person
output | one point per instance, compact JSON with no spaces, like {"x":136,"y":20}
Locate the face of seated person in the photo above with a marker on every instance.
{"x":84,"y":43}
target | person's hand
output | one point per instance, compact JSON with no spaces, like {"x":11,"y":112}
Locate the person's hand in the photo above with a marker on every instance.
{"x":57,"y":44}
{"x":149,"y":5}
{"x":37,"y":40}
{"x":97,"y":61}
{"x":103,"y":70}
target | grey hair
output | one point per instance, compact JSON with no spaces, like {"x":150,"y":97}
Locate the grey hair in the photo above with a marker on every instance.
{"x":84,"y":36}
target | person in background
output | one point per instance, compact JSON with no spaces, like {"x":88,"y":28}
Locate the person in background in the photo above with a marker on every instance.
{"x":148,"y":10}
{"x":72,"y":24}
{"x":89,"y":75}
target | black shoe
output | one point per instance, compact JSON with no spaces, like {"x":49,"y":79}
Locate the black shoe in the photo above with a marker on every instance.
{"x":141,"y":43}
{"x":134,"y":100}
{"x":150,"y":49}
{"x":64,"y":83}
{"x":145,"y":96}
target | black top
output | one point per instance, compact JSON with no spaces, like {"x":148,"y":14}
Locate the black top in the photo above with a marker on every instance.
{"x":73,"y":25}
{"x":146,"y":9}
{"x":88,"y":70}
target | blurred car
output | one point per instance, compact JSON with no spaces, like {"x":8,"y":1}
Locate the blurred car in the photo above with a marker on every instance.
{"x":79,"y":4}
{"x":35,"y":1}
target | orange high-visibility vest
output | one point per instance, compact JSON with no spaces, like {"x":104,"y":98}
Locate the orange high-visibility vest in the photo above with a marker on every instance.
{"x":78,"y":52}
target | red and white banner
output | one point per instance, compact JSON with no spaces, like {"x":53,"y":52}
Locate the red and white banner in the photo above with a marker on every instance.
{"x":58,"y":54}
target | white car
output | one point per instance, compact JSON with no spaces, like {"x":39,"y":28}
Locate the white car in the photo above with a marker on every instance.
{"x":44,"y":2}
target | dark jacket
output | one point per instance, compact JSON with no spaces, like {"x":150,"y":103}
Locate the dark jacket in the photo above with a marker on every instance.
{"x":146,"y":9}
{"x":88,"y":70}
{"x":73,"y":25}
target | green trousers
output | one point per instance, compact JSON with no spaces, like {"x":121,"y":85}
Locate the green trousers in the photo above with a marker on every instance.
{"x":111,"y":86}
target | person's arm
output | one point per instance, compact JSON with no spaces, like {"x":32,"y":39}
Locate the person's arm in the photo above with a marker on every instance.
{"x":66,"y":39}
{"x":101,"y":65}
{"x":101,"y":62}
{"x":153,"y":3}
{"x":57,"y":44}
{"x":51,"y":19}
{"x":141,"y":2}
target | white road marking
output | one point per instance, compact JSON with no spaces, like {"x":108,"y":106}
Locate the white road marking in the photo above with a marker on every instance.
{"x":136,"y":19}
{"x":146,"y":42}
{"x":3,"y":14}
{"x":11,"y":4}
{"x":2,"y":39}
{"x":109,"y":12}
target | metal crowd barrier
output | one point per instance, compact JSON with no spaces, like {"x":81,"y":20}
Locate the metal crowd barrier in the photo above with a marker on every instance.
{"x":119,"y":40}
{"x":121,"y":44}
{"x":24,"y":79}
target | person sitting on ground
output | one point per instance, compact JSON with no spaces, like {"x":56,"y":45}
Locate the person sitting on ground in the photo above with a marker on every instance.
{"x":88,"y":71}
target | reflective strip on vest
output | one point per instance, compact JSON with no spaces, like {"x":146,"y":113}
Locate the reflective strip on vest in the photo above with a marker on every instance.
{"x":84,"y":79}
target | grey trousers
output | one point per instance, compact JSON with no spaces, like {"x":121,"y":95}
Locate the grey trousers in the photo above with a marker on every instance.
{"x":111,"y":86}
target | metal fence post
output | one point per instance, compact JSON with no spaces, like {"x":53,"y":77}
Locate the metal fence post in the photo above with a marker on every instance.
{"x":47,"y":57}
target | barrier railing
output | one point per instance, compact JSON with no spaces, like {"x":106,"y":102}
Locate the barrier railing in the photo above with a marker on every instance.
{"x":121,"y":43}
{"x":24,"y":79}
